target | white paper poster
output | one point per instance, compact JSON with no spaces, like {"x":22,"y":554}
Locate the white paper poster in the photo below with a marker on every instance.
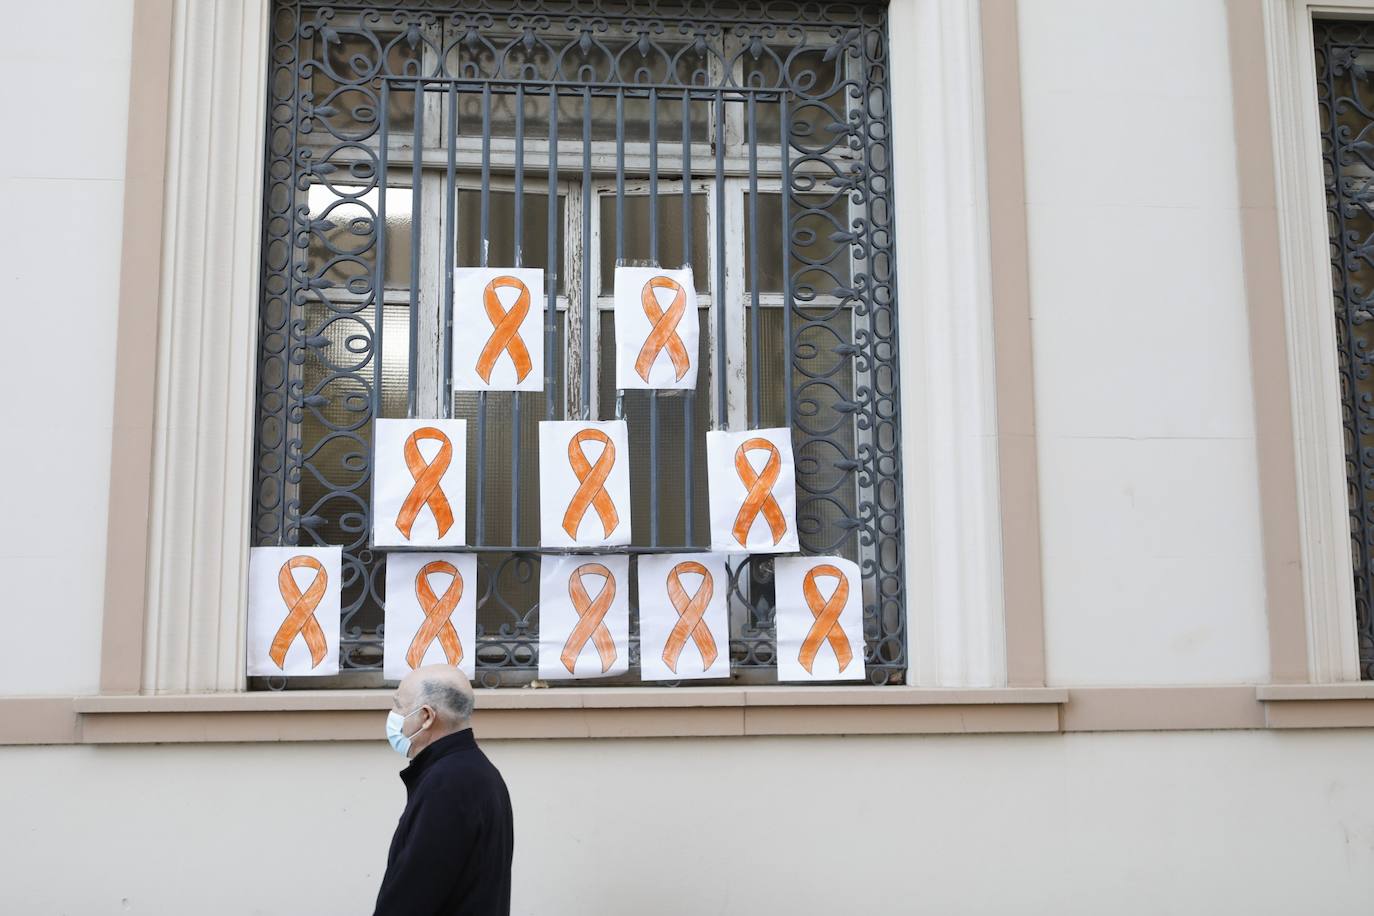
{"x":584,"y":617}
{"x":419,"y":488}
{"x":584,"y":483}
{"x":820,"y":619}
{"x":431,"y":612}
{"x":293,"y":610}
{"x":753,"y":492}
{"x":498,"y":329}
{"x":684,"y":627}
{"x":656,"y":329}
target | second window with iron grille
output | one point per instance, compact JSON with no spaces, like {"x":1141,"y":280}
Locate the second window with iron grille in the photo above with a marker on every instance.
{"x":749,"y":144}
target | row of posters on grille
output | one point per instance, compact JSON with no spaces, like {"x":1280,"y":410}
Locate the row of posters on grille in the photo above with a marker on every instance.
{"x":420,"y":485}
{"x":501,"y":312}
{"x":584,"y":615}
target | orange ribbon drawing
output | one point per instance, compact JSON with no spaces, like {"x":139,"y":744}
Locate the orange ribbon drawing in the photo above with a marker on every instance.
{"x":505,"y":334}
{"x":438,"y":611}
{"x":426,"y":490}
{"x":826,"y":612}
{"x":690,"y":610}
{"x":590,"y":616}
{"x":591,"y":483}
{"x":664,"y":334}
{"x":759,"y":497}
{"x":300,"y":612}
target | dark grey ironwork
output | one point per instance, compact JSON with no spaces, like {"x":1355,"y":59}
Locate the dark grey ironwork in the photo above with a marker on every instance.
{"x":1345,"y":100}
{"x":365,"y":100}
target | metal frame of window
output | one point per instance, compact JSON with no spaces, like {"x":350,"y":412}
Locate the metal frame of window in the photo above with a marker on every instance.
{"x":496,"y":80}
{"x":1345,"y":104}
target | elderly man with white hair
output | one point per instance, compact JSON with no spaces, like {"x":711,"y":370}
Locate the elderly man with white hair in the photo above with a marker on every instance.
{"x":452,"y":850}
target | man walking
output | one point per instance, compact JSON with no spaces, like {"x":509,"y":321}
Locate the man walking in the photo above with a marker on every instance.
{"x":452,"y":850}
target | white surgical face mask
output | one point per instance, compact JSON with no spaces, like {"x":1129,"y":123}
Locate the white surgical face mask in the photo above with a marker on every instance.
{"x":394,"y":723}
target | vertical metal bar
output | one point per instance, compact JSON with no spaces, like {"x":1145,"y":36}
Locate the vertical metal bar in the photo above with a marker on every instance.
{"x":485,"y":230}
{"x":519,"y":236}
{"x":486,"y":173}
{"x":415,"y":206}
{"x":450,"y":247}
{"x":379,"y":280}
{"x":619,"y":177}
{"x":653,"y":177}
{"x":755,"y":394}
{"x":284,"y":387}
{"x":718,"y":296}
{"x":551,"y":270}
{"x":788,"y":345}
{"x":586,"y":252}
{"x":653,"y":257}
{"x":689,"y":398}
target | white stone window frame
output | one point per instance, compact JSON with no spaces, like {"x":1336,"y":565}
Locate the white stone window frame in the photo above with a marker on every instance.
{"x":201,"y":476}
{"x":1314,"y":378}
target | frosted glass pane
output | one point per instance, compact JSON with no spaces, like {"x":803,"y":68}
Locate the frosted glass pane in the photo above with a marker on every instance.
{"x":534,"y":234}
{"x":344,"y":246}
{"x":819,"y":265}
{"x":499,"y":484}
{"x":823,"y":377}
{"x":635,"y":235}
{"x":673,"y":445}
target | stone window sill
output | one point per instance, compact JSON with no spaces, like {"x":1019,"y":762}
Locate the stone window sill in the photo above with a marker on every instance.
{"x":648,"y":712}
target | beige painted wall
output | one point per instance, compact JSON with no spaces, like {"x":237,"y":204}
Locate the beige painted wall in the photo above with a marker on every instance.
{"x":1183,"y":823}
{"x":62,"y":180}
{"x":1149,"y":488}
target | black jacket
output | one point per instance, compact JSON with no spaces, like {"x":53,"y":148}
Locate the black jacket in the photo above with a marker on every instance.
{"x":452,"y":850}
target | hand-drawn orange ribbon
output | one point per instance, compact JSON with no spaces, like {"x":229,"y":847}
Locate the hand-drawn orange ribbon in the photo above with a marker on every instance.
{"x":438,"y":612}
{"x":300,"y":611}
{"x":505,"y":334}
{"x":826,"y":612}
{"x":591,"y":483}
{"x":426,"y":490}
{"x":590,"y":615}
{"x":760,"y":487}
{"x":689,"y":616}
{"x":664,"y":332}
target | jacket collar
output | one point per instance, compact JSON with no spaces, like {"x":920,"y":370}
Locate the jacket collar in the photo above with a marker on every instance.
{"x":449,"y":744}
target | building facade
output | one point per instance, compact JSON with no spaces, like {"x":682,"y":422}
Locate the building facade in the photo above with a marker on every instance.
{"x":1065,"y":313}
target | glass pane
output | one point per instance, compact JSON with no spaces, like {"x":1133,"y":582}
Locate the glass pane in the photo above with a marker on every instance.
{"x":816,"y":100}
{"x":500,"y":484}
{"x":509,"y":583}
{"x":534,"y":244}
{"x":673,"y":446}
{"x":346,"y":86}
{"x":819,"y":264}
{"x":824,"y":435}
{"x":335,"y":489}
{"x":635,"y":235}
{"x":344,"y":248}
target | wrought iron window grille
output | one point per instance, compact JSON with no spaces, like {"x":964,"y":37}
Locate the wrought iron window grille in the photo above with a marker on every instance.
{"x":750,"y":141}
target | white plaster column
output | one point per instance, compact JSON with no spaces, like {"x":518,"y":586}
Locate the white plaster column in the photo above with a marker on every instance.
{"x":955,"y":608}
{"x":203,"y":435}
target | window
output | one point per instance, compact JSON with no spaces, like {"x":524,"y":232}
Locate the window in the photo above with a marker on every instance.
{"x":749,"y":142}
{"x":1345,"y":94}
